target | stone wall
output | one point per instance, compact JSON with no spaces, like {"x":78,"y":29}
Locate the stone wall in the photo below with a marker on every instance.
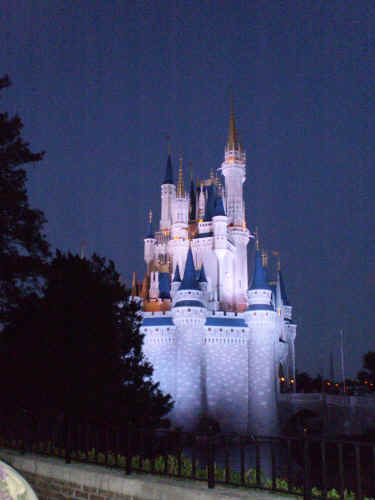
{"x":52,"y":479}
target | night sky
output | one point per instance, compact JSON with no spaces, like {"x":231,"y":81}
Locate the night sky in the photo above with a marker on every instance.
{"x":99,"y":85}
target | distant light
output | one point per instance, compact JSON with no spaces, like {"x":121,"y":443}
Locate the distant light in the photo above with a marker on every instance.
{"x":292,"y":380}
{"x":282,"y":379}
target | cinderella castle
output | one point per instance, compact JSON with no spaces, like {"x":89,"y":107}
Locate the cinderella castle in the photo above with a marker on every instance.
{"x":218,"y":346}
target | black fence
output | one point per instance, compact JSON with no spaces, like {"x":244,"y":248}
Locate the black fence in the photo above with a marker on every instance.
{"x":306,"y":466}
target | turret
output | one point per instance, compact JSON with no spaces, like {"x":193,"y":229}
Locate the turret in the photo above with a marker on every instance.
{"x":233,"y":169}
{"x":192,"y":208}
{"x":288,"y":333}
{"x":176,"y":282}
{"x":189,"y":316}
{"x":201,"y":204}
{"x":263,"y":324}
{"x":149,"y":244}
{"x":260,"y":293}
{"x":180,"y":215}
{"x":168,"y":194}
{"x":219,"y":222}
{"x":203,"y":284}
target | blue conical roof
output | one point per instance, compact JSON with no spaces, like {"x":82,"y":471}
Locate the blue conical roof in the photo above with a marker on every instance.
{"x":219,"y":206}
{"x":168,"y":172}
{"x":177,"y":276}
{"x":150,"y":233}
{"x":210,"y":202}
{"x":284,"y":296}
{"x":189,"y":281}
{"x":164,"y":286}
{"x":260,"y":280}
{"x":202,"y":275}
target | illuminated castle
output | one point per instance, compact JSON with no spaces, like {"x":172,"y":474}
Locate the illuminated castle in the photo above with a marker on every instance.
{"x":216,"y":345}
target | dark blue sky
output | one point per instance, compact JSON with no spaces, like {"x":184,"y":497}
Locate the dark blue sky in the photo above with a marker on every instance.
{"x":99,"y":84}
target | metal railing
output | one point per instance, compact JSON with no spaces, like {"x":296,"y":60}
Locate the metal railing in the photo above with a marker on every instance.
{"x":305,"y":465}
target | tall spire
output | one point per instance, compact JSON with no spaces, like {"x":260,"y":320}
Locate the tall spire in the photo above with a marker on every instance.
{"x":260,"y":279}
{"x":189,"y":281}
{"x":150,"y":233}
{"x":192,"y":209}
{"x":168,"y":171}
{"x":133,"y":292}
{"x":180,"y":186}
{"x":233,"y":142}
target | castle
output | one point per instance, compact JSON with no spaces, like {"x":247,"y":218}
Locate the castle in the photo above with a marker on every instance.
{"x":217,"y":346}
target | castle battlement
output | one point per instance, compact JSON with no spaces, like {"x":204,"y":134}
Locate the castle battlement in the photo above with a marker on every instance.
{"x":150,"y":314}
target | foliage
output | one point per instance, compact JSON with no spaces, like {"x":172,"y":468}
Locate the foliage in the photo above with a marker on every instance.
{"x":186,"y":471}
{"x":367,"y":375}
{"x":79,"y":348}
{"x":23,"y":246}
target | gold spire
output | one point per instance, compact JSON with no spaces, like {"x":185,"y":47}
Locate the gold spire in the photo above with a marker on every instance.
{"x":144,"y":291}
{"x":180,"y":185}
{"x":278,"y":264}
{"x":256,"y":238}
{"x":233,"y":143}
{"x":212,"y":177}
{"x":133,"y":292}
{"x":150,"y":216}
{"x":264,"y":258}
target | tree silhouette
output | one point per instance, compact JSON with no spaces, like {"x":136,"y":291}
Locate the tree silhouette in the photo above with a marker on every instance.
{"x":78,"y":349}
{"x":23,"y":247}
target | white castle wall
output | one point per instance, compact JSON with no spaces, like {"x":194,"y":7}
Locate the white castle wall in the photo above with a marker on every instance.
{"x":226,"y":377}
{"x":160,"y":349}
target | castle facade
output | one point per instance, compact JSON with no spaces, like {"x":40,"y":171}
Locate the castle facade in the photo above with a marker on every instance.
{"x":217,"y":345}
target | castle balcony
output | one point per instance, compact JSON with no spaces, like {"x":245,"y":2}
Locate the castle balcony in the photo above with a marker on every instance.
{"x":162,"y":237}
{"x":234,"y":155}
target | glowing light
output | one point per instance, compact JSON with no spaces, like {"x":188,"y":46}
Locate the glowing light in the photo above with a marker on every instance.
{"x":292,"y":380}
{"x":282,"y":379}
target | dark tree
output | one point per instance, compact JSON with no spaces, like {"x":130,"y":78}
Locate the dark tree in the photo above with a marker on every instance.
{"x":367,"y":376}
{"x":78,"y":349}
{"x":23,"y":247}
{"x":304,"y":382}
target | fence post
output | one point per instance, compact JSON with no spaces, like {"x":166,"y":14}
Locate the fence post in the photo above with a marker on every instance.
{"x":306,"y":471}
{"x":128,"y":450}
{"x":68,"y":423}
{"x":211,"y":464}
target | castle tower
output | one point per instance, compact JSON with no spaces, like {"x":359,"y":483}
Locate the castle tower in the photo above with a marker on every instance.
{"x":262,"y":321}
{"x":189,"y":316}
{"x":219,"y":222}
{"x":288,"y":334}
{"x":234,"y":171}
{"x":168,"y":194}
{"x":149,"y":245}
{"x":179,"y":243}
